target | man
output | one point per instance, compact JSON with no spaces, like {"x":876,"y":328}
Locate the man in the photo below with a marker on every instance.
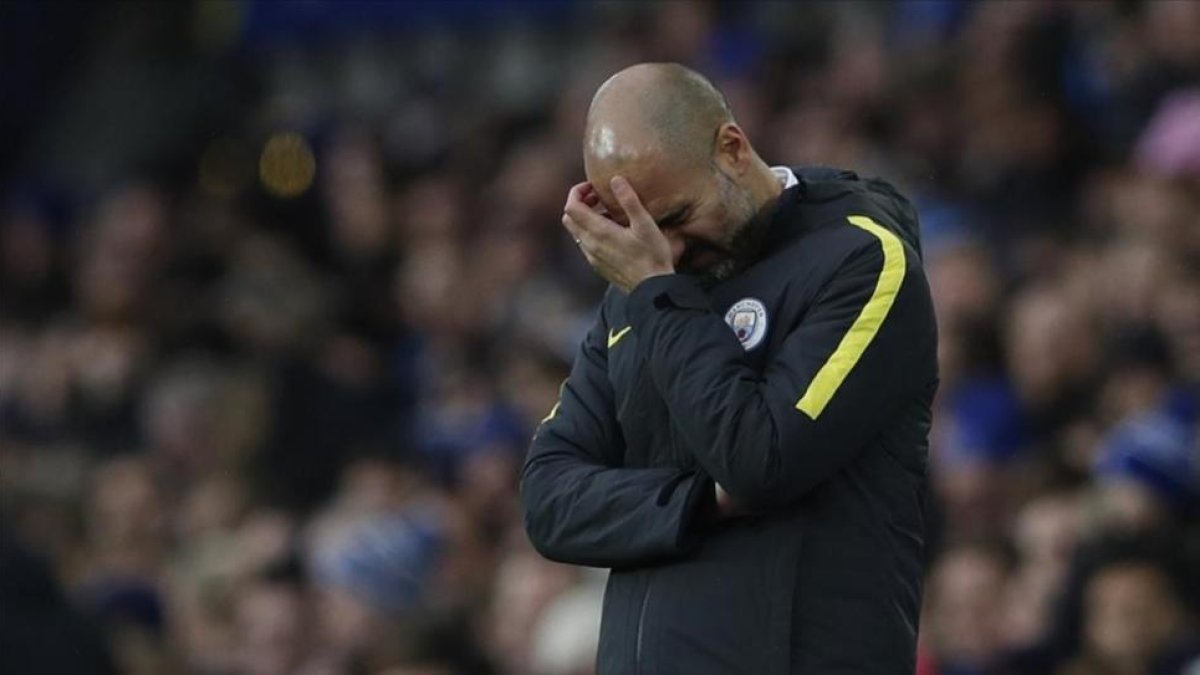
{"x":742,"y":438}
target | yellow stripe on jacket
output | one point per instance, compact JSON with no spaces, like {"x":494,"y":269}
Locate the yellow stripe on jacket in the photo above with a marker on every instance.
{"x":856,"y":340}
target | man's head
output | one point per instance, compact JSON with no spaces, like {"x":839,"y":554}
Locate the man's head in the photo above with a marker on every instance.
{"x":1133,"y":614}
{"x":670,"y":133}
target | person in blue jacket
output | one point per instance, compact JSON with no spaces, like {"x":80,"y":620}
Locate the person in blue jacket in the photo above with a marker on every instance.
{"x":743,"y":435}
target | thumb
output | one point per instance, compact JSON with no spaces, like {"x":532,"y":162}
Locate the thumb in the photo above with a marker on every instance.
{"x":639,"y":217}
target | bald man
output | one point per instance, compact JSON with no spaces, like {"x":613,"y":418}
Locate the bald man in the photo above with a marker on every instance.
{"x":743,"y":435}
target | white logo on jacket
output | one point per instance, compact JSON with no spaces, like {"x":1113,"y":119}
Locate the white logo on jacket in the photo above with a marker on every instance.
{"x":748,"y":319}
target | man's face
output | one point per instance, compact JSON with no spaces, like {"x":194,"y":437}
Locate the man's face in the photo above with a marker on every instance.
{"x":1131,"y":612}
{"x":703,"y":213}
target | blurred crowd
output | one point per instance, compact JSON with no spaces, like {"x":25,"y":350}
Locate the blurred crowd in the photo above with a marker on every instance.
{"x":283,"y":295}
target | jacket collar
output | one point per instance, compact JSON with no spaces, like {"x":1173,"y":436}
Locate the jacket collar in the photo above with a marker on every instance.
{"x":787,"y":177}
{"x":782,"y":225}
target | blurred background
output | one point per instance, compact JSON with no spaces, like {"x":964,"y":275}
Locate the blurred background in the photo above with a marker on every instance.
{"x":283,"y":294}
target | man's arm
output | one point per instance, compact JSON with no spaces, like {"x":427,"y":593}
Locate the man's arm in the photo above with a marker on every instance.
{"x":863,"y":348}
{"x":581,"y":507}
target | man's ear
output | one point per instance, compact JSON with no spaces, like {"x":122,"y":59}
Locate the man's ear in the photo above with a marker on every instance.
{"x":732,"y":150}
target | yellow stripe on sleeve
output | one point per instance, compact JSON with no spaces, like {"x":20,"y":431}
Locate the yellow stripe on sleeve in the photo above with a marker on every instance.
{"x":862,"y":331}
{"x":557,"y":404}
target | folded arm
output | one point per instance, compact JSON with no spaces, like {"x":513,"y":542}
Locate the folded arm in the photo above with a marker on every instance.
{"x":768,"y":438}
{"x":581,"y":506}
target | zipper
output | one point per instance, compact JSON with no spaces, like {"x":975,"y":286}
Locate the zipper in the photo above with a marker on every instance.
{"x":637,"y":653}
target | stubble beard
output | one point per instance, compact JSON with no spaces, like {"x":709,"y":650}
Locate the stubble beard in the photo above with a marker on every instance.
{"x":747,"y":228}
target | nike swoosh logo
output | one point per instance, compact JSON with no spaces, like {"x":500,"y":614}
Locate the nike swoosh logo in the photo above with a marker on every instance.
{"x":614,"y":338}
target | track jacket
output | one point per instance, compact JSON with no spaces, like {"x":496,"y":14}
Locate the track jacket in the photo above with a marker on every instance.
{"x":803,"y":386}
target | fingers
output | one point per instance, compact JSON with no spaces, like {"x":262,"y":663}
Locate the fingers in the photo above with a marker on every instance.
{"x":589,"y":240}
{"x":576,"y":204}
{"x":591,"y":197}
{"x":581,"y":236}
{"x":585,"y":216}
{"x":584,"y":193}
{"x":577,"y":232}
{"x":574,"y":213}
{"x":623,"y":256}
{"x":579,"y":192}
{"x":638,"y":216}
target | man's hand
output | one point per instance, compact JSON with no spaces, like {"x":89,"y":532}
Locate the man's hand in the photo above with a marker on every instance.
{"x":625,"y":256}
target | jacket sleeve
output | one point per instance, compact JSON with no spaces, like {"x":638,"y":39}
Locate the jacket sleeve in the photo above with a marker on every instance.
{"x":581,"y":506}
{"x":866,"y":344}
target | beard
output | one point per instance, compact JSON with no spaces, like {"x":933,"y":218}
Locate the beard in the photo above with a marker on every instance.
{"x":746,"y":225}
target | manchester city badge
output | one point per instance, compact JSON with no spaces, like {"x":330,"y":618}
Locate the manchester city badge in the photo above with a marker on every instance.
{"x":748,"y":319}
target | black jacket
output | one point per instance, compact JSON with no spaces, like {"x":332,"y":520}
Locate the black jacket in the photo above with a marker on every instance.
{"x":819,"y":428}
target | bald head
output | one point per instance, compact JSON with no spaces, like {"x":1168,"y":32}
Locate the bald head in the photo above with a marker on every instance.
{"x":653,"y":112}
{"x":669,"y":133}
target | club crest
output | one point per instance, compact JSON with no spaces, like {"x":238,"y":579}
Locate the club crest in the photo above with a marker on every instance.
{"x":748,"y":319}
